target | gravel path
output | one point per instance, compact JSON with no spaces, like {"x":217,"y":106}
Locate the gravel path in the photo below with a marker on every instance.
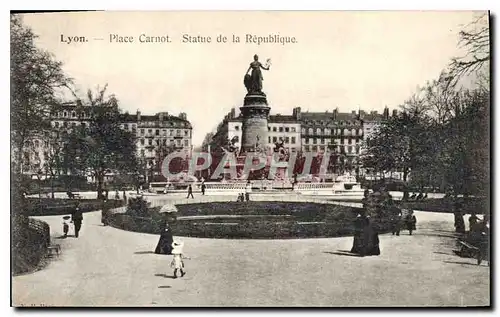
{"x":111,"y":267}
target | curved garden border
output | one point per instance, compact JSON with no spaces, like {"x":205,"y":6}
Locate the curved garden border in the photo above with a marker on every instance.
{"x":246,"y":227}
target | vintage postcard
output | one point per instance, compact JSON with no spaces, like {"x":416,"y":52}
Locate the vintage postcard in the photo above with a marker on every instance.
{"x":250,"y":159}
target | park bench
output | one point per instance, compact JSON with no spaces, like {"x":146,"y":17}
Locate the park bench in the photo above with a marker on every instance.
{"x":73,"y":195}
{"x":55,"y":248}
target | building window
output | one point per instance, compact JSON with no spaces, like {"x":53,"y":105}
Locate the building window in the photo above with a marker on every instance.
{"x":57,"y":124}
{"x":268,"y":139}
{"x":84,"y":125}
{"x":150,"y":142}
{"x":65,"y":124}
{"x":275,"y":139}
{"x":178,"y":143}
{"x":269,"y":128}
{"x":157,"y":132}
{"x":311,"y":131}
{"x":303,"y":130}
{"x":237,"y":127}
{"x":150,"y":131}
{"x":186,"y":132}
{"x":293,"y":129}
{"x":274,"y":129}
{"x":171,"y":132}
{"x":293,"y":140}
{"x":186,"y":142}
{"x":307,"y":141}
{"x":281,"y":129}
{"x":178,"y":132}
{"x":73,"y":124}
{"x":236,"y":139}
{"x":125,"y":126}
{"x":349,"y":149}
{"x":287,"y":140}
{"x":142,"y":152}
{"x":315,"y":141}
{"x":287,"y":129}
{"x":349,"y":141}
{"x":142,"y":141}
{"x":65,"y":114}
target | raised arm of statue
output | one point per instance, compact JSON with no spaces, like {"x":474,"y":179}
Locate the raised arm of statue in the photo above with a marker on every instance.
{"x":263,"y":67}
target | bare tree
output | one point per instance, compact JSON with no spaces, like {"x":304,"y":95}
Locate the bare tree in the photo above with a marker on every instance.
{"x":475,"y":39}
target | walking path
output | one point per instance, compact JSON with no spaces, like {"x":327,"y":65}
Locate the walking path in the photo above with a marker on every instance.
{"x":110,"y":267}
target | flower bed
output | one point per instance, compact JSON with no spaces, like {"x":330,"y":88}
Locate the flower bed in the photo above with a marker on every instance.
{"x":250,"y":220}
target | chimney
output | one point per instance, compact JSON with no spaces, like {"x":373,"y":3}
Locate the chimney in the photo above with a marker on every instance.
{"x":335,"y":113}
{"x":386,"y":113}
{"x":183,"y":116}
{"x":394,"y":113}
{"x":296,"y":113}
{"x":160,"y":115}
{"x":138,"y":115}
{"x":233,"y":113}
{"x":353,"y":112}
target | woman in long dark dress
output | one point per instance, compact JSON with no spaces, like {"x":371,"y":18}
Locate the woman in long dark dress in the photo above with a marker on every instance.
{"x":256,"y":75}
{"x":357,"y":245}
{"x":166,"y":239}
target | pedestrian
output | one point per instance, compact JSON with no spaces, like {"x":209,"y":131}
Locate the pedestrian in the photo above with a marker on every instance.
{"x":357,"y":245}
{"x":248,"y":189}
{"x":370,"y":238}
{"x":177,"y":262}
{"x":190,"y":191}
{"x":124,"y":197}
{"x":203,"y":186}
{"x":164,"y":245}
{"x":117,"y":195}
{"x":396,"y":223}
{"x":473,"y":220}
{"x":411,"y":222}
{"x":65,"y":226}
{"x":77,"y":218}
{"x":459,"y":218}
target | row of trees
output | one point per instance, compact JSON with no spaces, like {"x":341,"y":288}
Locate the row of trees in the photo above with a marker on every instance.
{"x":441,"y":136}
{"x":38,"y":86}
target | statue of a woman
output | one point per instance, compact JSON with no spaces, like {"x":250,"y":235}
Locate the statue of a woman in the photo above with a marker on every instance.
{"x":253,"y":82}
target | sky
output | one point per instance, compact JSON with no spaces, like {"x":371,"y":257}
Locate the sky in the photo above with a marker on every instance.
{"x":347,"y":60}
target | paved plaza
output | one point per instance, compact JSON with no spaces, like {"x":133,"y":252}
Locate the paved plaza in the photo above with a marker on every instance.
{"x":111,"y":267}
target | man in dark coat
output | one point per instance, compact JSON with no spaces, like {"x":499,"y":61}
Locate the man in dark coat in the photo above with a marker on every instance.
{"x":77,"y":218}
{"x":190,"y":192}
{"x":203,"y":187}
{"x":166,"y":239}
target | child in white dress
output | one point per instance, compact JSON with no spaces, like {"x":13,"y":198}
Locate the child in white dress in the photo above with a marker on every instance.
{"x":177,"y":263}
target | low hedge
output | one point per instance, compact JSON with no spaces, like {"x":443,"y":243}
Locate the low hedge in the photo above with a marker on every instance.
{"x":29,"y":246}
{"x":269,"y":220}
{"x":52,"y":207}
{"x":477,"y":205}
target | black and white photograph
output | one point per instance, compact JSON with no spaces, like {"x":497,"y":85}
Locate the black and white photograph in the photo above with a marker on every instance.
{"x":250,"y":159}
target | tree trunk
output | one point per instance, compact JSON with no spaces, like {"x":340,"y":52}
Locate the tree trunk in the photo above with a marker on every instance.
{"x":52,"y":186}
{"x":405,"y":188}
{"x":100,"y":179}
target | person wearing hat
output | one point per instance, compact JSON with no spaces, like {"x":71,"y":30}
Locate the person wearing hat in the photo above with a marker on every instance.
{"x":357,"y":245}
{"x":164,"y":245}
{"x":77,"y":218}
{"x":177,"y":263}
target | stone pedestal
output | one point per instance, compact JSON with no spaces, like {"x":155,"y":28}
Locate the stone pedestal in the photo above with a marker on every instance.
{"x":255,"y":112}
